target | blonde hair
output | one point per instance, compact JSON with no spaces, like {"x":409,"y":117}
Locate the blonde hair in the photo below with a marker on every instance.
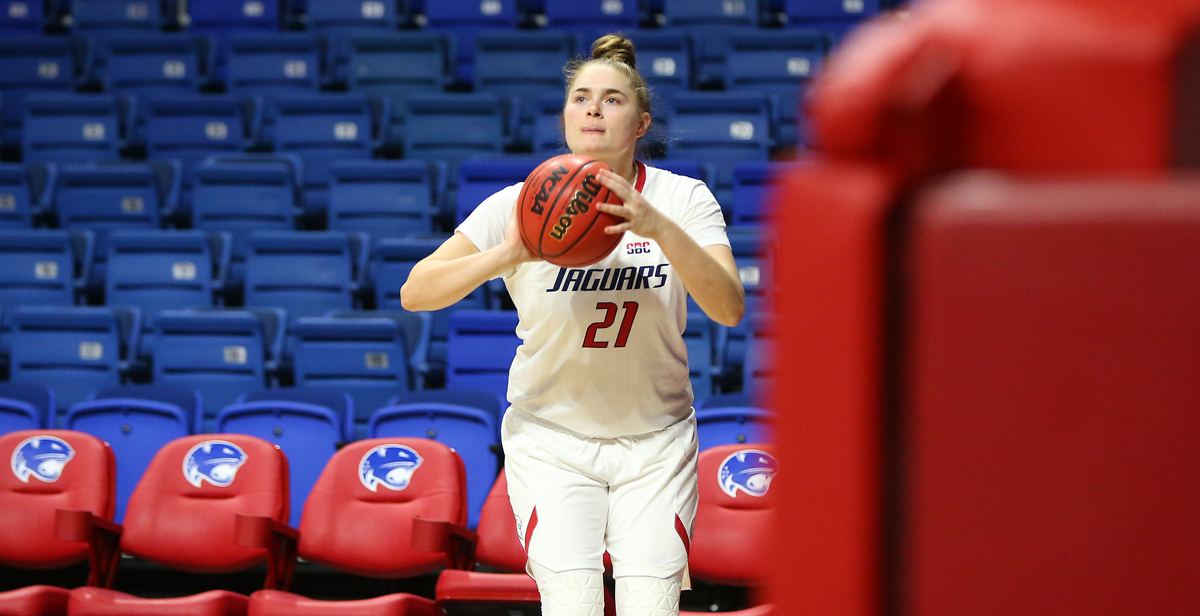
{"x":616,"y":51}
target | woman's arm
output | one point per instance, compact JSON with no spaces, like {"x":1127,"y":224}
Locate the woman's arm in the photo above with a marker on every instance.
{"x":709,"y":273}
{"x":457,"y":267}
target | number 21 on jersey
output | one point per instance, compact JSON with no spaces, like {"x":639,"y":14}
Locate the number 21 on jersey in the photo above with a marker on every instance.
{"x":610,"y":316}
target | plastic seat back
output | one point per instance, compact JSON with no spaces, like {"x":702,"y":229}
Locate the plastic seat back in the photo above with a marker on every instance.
{"x":272,"y":63}
{"x":480,"y":347}
{"x":306,"y":273}
{"x":358,"y":517}
{"x":190,"y":128}
{"x":801,"y":11}
{"x":136,"y":422}
{"x":107,"y":197}
{"x":386,"y":198}
{"x":30,"y":65}
{"x":779,"y":64}
{"x":150,"y":63}
{"x":36,"y":268}
{"x":722,"y":128}
{"x":711,"y":12}
{"x":116,"y":16}
{"x":159,"y":270}
{"x":227,"y":15}
{"x":67,"y":128}
{"x":241,"y":197}
{"x":183,"y":513}
{"x":365,"y":358}
{"x":469,"y":431}
{"x":22,"y":17}
{"x":734,"y":515}
{"x":479,"y":178}
{"x":753,"y":192}
{"x":23,"y":190}
{"x":453,"y":127}
{"x":664,"y":58}
{"x":334,"y":15}
{"x":51,"y":470}
{"x":466,"y":19}
{"x":308,"y":424}
{"x":25,"y":406}
{"x":524,"y":65}
{"x":321,"y":129}
{"x":698,"y":336}
{"x":73,"y":351}
{"x":729,"y":425}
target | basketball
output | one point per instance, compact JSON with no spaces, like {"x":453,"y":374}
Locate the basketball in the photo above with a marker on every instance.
{"x":558,"y":218}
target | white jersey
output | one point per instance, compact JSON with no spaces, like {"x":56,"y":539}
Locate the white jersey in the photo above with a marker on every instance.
{"x":602,"y":350}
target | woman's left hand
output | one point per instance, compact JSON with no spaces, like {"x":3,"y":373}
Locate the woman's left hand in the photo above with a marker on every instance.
{"x":640,"y":217}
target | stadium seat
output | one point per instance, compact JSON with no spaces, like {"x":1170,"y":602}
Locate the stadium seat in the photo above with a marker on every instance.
{"x":468,"y":430}
{"x":721,"y":128}
{"x":43,"y":267}
{"x":136,"y":421}
{"x":758,"y":368}
{"x":548,"y":139}
{"x":453,"y":127}
{"x":392,"y":198}
{"x":336,"y":15}
{"x":322,"y":129}
{"x":72,"y":128}
{"x":150,"y":63}
{"x":25,"y":406}
{"x":226,"y":16}
{"x":800,"y":12}
{"x":25,"y":193}
{"x":728,"y":425}
{"x":752,"y":193}
{"x":779,"y":64}
{"x":753,"y":250}
{"x":523,"y":65}
{"x":31,"y":65}
{"x":189,"y":520}
{"x":107,"y":197}
{"x":479,"y":178}
{"x":391,"y":262}
{"x":220,"y":354}
{"x":415,"y":328}
{"x":464,"y":20}
{"x":698,"y":336}
{"x":269,"y":64}
{"x":307,"y":273}
{"x":664,"y":58}
{"x":53,"y":471}
{"x":308,"y":424}
{"x":734,"y":513}
{"x":117,"y":17}
{"x":22,"y":17}
{"x":162,"y":270}
{"x":711,"y":12}
{"x":480,"y":346}
{"x":373,"y":501}
{"x":706,"y":173}
{"x":590,"y":20}
{"x":364,"y":357}
{"x":73,"y":351}
{"x":391,"y":67}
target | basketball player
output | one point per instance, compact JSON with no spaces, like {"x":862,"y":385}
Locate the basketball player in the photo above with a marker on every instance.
{"x":600,"y":440}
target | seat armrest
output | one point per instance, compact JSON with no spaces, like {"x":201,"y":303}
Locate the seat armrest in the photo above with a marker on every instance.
{"x":102,"y":536}
{"x":278,"y":539}
{"x":458,"y":542}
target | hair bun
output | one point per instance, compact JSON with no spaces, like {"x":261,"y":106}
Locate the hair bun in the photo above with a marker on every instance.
{"x":614,"y":47}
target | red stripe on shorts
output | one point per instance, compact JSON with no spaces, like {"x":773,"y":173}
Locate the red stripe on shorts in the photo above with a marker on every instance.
{"x":532,"y":525}
{"x":682,"y":530}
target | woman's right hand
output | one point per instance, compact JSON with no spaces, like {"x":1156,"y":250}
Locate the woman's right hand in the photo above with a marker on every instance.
{"x":514,"y":245}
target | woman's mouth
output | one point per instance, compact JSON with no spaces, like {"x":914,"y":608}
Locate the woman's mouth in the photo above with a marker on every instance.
{"x":593,"y":129}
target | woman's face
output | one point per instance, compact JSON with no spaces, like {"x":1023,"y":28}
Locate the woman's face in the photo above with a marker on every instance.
{"x":601,"y":117}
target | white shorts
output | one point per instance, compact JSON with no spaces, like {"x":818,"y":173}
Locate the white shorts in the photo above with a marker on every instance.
{"x":575,"y":497}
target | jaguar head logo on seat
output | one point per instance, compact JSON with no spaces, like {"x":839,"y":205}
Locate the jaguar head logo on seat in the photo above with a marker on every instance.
{"x":216,"y":462}
{"x":391,"y":466}
{"x":43,"y":457}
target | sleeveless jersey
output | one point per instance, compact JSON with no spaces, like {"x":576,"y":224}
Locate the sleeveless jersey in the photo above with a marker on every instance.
{"x":602,"y":351}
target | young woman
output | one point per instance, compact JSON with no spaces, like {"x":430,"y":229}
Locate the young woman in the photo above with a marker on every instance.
{"x":600,"y":440}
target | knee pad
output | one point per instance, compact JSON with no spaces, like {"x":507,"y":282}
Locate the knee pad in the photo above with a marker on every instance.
{"x":647,"y":596}
{"x":579,"y":592}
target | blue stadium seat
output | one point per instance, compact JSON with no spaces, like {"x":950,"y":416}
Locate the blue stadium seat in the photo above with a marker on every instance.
{"x":43,"y":267}
{"x":759,"y":365}
{"x":524,"y":65}
{"x":721,"y":128}
{"x":706,"y":173}
{"x":751,"y":192}
{"x":223,"y":16}
{"x":22,"y":17}
{"x":72,"y":350}
{"x":25,"y":193}
{"x":30,"y":65}
{"x":479,"y":178}
{"x":467,"y":429}
{"x":162,"y":270}
{"x":364,"y":357}
{"x":391,"y":67}
{"x":105,"y":197}
{"x":453,"y":127}
{"x":415,"y":328}
{"x":699,"y":338}
{"x":664,"y":58}
{"x":711,"y":12}
{"x":136,"y":421}
{"x":307,"y":273}
{"x":25,"y":406}
{"x":117,"y":16}
{"x":190,"y":128}
{"x":753,"y":248}
{"x":548,"y":137}
{"x":335,"y":15}
{"x":465,"y":19}
{"x":270,"y":63}
{"x":391,"y":262}
{"x":780,"y":64}
{"x":321,"y":129}
{"x":392,"y":198}
{"x":480,"y":346}
{"x":589,"y":19}
{"x":67,"y":128}
{"x":728,"y":425}
{"x":150,"y":63}
{"x":308,"y":424}
{"x":800,"y":12}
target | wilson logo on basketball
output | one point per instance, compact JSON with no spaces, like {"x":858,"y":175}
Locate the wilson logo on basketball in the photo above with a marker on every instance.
{"x":543,"y":196}
{"x":580,"y":204}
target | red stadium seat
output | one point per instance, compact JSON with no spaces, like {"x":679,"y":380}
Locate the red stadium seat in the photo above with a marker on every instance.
{"x":383,"y":508}
{"x":52,"y":470}
{"x":734,"y":518}
{"x":185,"y":513}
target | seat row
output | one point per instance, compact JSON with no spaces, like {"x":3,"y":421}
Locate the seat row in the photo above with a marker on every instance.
{"x":220,"y":503}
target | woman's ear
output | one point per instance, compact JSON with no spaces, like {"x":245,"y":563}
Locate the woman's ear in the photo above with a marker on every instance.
{"x":643,"y":125}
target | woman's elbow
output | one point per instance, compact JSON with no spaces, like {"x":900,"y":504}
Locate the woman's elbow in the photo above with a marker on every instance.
{"x":407,"y":301}
{"x":733,"y":315}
